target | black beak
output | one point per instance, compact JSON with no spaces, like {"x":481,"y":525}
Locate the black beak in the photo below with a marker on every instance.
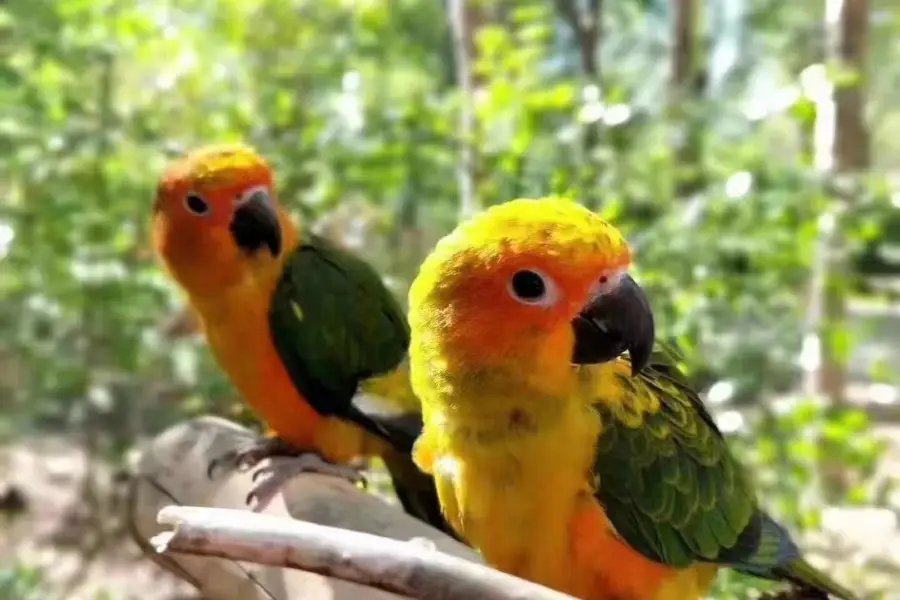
{"x":255,"y":224}
{"x":614,"y":322}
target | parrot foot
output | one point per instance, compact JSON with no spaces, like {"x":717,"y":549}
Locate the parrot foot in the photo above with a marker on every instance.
{"x":280,"y":470}
{"x":250,"y":454}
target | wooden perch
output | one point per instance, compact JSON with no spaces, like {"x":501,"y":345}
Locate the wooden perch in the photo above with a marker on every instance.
{"x":171,"y":469}
{"x":411,"y":568}
{"x":319,"y":556}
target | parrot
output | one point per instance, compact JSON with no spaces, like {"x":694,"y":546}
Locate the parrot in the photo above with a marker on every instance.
{"x":298,"y":324}
{"x":565,"y":444}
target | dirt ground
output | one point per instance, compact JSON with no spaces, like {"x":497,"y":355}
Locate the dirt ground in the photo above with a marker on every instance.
{"x":50,"y":527}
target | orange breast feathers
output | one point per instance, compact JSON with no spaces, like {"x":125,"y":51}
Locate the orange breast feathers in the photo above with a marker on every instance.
{"x":230,"y":289}
{"x":239,"y":339}
{"x":606,"y":568}
{"x":236,"y":328}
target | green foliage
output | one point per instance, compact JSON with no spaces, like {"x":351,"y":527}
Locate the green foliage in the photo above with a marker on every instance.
{"x":355,"y":104}
{"x":19,"y":582}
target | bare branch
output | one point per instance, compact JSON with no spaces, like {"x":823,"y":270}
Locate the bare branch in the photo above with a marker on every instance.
{"x":318,"y":563}
{"x":408,"y":568}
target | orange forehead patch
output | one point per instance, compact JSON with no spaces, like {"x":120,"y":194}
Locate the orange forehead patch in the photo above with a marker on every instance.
{"x":554,"y":234}
{"x":216,"y":165}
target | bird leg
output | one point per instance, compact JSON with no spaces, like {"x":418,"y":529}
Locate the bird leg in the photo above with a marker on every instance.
{"x":285,"y":463}
{"x":282,"y":469}
{"x":249,"y":454}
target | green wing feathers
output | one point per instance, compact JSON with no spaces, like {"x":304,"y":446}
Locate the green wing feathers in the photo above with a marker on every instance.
{"x":669,"y":484}
{"x":674,"y":492}
{"x":334,"y":323}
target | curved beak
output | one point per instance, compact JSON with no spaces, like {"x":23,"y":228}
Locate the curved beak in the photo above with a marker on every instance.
{"x":614,"y":322}
{"x":254,"y":224}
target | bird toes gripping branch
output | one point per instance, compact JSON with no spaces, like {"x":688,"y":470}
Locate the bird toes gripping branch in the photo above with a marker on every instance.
{"x":270,"y":478}
{"x":286,"y":462}
{"x":248,"y":455}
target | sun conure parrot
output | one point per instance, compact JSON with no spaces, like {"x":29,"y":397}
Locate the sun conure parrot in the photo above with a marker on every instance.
{"x":296,"y":322}
{"x":598,"y":476}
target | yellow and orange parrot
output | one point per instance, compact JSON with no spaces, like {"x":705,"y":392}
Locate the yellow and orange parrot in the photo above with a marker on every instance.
{"x":297,"y":323}
{"x":598,"y":475}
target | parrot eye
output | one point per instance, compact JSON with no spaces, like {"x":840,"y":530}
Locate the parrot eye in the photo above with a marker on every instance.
{"x":532,"y":287}
{"x":196,"y":204}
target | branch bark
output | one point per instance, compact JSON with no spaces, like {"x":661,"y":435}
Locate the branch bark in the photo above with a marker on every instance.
{"x":349,"y":544}
{"x":171,"y":469}
{"x":413,"y":569}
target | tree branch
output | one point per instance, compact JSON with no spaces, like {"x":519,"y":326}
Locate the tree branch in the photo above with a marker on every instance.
{"x":382,"y":563}
{"x":330,"y":559}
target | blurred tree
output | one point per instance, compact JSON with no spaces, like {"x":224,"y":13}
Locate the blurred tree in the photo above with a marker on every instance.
{"x":843,"y":154}
{"x":690,"y":124}
{"x":586,"y":25}
{"x":688,"y":88}
{"x":465,"y":19}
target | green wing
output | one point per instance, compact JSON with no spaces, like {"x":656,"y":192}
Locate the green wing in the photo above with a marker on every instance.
{"x":334,"y":323}
{"x":671,"y":487}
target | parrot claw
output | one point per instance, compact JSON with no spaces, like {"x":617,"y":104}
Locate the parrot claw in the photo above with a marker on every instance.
{"x":250,"y":454}
{"x":280,"y":470}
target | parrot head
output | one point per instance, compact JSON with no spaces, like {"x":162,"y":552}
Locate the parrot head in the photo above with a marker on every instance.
{"x":214,"y":213}
{"x":531,"y":277}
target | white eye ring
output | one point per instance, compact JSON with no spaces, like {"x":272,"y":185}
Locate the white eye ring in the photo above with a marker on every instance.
{"x":532,"y":287}
{"x":607,"y":282}
{"x":249,"y":192}
{"x":196,"y":204}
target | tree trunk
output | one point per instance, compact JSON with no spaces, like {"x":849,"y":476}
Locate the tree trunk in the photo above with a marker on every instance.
{"x":847,"y":29}
{"x":846,"y":24}
{"x":851,"y":144}
{"x":464,"y":22}
{"x":687,"y":86}
{"x":587,"y":28}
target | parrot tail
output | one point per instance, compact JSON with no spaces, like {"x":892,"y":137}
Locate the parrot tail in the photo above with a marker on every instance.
{"x":777,"y":558}
{"x":415,"y":490}
{"x":806,"y":576}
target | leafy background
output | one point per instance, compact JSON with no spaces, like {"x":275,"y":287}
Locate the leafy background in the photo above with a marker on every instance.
{"x":746,"y":147}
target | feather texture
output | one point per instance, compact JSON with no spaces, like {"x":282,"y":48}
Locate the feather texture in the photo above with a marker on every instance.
{"x":297,"y":331}
{"x":582,"y":478}
{"x":334,"y":323}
